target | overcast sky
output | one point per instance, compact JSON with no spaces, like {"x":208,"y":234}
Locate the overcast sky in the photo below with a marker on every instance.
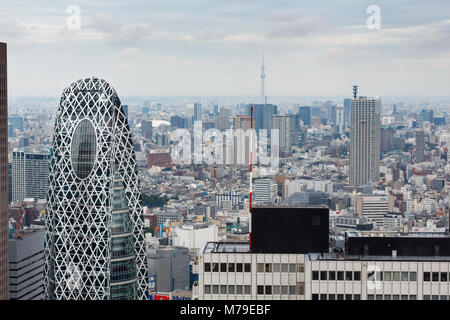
{"x":204,"y":47}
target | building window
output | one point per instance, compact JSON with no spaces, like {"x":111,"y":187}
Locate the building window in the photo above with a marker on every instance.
{"x":396,"y":276}
{"x":223,"y":267}
{"x":413,"y":297}
{"x":207,"y":289}
{"x":284,"y":267}
{"x":247,"y":289}
{"x":215,"y":267}
{"x":260,"y":289}
{"x":357,"y":297}
{"x":223,"y":289}
{"x":426,"y":297}
{"x":231,"y":267}
{"x":435,"y":276}
{"x":268,"y":267}
{"x":413,"y":276}
{"x":215,"y":289}
{"x":292,"y":290}
{"x":348,"y":275}
{"x":247,"y":267}
{"x":260,"y":267}
{"x":404,"y":297}
{"x":370,"y":297}
{"x":357,"y":276}
{"x":323,"y":275}
{"x":323,"y":297}
{"x":404,"y":276}
{"x":292,"y":267}
{"x":276,"y":289}
{"x":387,"y":276}
{"x":300,"y":288}
{"x":443,"y":297}
{"x":340,"y":297}
{"x":332,"y":275}
{"x":348,"y":297}
{"x":379,"y":297}
{"x":315,"y":275}
{"x":268,"y":290}
{"x":230,"y":289}
{"x":300,"y":267}
{"x":444,"y":276}
{"x":315,"y":297}
{"x":284,"y":289}
{"x":395,"y":297}
{"x":276,"y":267}
{"x":426,"y":276}
{"x":239,"y":267}
{"x":340,"y":275}
{"x":207,"y":267}
{"x":434,"y":297}
{"x":331,"y":297}
{"x":238,"y":289}
{"x":387,"y":297}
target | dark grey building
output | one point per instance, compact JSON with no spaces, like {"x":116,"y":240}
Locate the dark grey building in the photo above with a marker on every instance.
{"x":262,"y":115}
{"x":26,"y":265}
{"x":170,"y":267}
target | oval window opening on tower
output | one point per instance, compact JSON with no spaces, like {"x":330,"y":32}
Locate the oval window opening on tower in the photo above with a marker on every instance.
{"x":83,"y":149}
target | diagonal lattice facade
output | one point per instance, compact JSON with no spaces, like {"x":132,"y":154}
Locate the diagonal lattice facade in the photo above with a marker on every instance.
{"x":93,"y":164}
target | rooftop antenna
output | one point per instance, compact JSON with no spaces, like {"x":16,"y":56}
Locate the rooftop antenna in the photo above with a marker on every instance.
{"x":355,"y":91}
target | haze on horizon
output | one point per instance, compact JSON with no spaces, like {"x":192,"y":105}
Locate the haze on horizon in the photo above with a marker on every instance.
{"x":201,"y":47}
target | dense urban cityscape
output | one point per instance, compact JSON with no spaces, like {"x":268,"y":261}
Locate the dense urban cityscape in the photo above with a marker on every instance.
{"x":113,"y":197}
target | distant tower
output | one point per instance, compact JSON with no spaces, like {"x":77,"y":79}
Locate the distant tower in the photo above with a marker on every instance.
{"x":365,"y":140}
{"x":263,"y":76}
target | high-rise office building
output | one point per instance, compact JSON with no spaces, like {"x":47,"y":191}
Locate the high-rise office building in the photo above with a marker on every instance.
{"x":241,"y":143}
{"x":365,"y":141}
{"x":305,"y":115}
{"x":26,"y":260}
{"x":286,"y":131}
{"x":339,"y":120}
{"x":262,"y":114}
{"x":420,"y":146}
{"x":29,"y":175}
{"x":197,"y":112}
{"x":347,"y":111}
{"x":4,"y":275}
{"x":94,"y":247}
{"x":147,"y":129}
{"x":223,"y":119}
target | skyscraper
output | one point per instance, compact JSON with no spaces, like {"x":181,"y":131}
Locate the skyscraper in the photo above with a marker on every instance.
{"x":4,"y":273}
{"x":29,"y":175}
{"x":365,"y":141}
{"x":94,"y":247}
{"x":305,"y":115}
{"x":241,"y":143}
{"x":286,"y":131}
{"x":262,"y":114}
{"x":420,"y":146}
{"x":197,"y":112}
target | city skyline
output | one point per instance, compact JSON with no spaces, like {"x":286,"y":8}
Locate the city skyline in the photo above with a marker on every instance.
{"x":166,"y":48}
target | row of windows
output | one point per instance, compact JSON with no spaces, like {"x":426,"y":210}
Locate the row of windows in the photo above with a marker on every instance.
{"x":227,"y":267}
{"x":391,"y":297}
{"x":260,"y":290}
{"x":230,"y":289}
{"x":285,"y":290}
{"x":337,"y":275}
{"x":435,"y":297}
{"x":435,"y":276}
{"x":280,"y":267}
{"x":336,"y":297}
{"x":392,"y":276}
